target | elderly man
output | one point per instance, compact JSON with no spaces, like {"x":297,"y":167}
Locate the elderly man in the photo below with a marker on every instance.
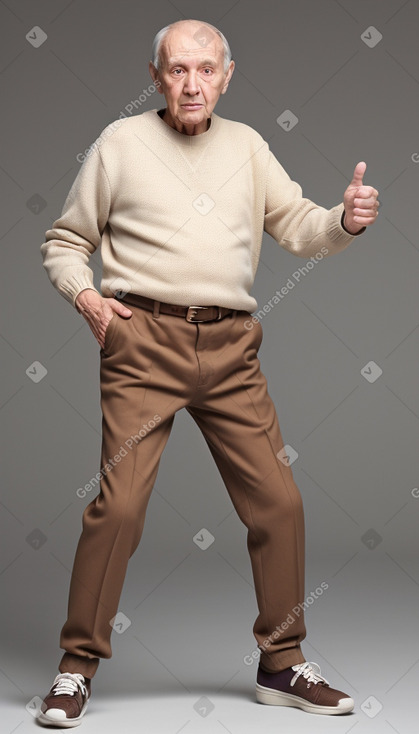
{"x":178,"y":199}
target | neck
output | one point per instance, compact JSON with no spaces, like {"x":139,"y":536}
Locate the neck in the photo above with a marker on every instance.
{"x":181,"y":127}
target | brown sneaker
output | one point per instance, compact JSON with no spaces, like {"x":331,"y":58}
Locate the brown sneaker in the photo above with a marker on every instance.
{"x":304,"y":687}
{"x":66,"y":703}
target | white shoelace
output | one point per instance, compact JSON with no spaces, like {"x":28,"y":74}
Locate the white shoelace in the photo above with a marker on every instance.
{"x":68,"y":683}
{"x":309,"y":671}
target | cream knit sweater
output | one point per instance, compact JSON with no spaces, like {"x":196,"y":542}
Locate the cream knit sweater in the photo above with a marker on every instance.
{"x":180,"y":218}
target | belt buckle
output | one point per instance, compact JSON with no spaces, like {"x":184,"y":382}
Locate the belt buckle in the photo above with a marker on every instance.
{"x":193,"y":310}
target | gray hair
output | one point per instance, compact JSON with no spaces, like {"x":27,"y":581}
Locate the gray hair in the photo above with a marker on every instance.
{"x":159,"y":37}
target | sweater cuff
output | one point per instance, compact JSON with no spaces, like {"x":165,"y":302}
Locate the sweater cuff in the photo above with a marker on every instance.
{"x":343,"y":226}
{"x":336,"y":231}
{"x":73,"y":285}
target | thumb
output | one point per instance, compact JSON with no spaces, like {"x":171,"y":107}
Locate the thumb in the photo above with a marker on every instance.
{"x":359,"y":172}
{"x":120,"y":308}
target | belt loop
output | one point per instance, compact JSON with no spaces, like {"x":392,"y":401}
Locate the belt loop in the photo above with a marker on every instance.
{"x":156,"y":309}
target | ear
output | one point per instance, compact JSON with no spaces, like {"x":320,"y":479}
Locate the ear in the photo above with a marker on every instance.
{"x":155,"y":77}
{"x":228,"y":76}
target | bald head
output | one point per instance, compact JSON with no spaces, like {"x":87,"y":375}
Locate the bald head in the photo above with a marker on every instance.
{"x":194,"y":32}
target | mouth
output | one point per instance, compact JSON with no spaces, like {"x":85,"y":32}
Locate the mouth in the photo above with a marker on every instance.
{"x":191,"y":106}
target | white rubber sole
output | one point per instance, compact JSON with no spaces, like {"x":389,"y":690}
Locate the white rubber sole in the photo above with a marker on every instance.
{"x":273,"y":697}
{"x":57,"y":717}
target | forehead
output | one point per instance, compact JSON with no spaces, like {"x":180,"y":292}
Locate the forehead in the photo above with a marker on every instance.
{"x":192,"y":45}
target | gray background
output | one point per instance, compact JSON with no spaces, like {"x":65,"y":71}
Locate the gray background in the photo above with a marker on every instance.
{"x":191,"y":611}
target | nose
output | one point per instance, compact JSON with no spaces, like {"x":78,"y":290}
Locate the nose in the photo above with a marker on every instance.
{"x":191,"y":85}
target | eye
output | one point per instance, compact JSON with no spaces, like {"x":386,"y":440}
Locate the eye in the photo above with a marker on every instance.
{"x":208,"y":69}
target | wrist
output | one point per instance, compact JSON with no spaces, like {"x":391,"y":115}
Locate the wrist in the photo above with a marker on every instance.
{"x":82,"y":298}
{"x":347,"y":228}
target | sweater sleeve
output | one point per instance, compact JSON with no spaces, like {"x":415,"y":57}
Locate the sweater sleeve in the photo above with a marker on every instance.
{"x":77,"y":233}
{"x":298,"y":224}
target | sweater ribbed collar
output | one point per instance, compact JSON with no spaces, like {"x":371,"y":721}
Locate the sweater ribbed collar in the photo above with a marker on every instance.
{"x":175,"y":136}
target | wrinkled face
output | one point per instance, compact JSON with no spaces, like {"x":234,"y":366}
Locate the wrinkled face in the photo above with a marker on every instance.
{"x":191,"y":74}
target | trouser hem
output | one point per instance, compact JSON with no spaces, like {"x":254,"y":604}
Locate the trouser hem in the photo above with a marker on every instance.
{"x":275,"y":662}
{"x":70,"y":663}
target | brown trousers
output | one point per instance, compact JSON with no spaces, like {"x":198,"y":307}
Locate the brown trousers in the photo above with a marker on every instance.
{"x":151,"y":366}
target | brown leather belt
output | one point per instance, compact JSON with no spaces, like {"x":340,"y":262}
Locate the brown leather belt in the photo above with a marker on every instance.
{"x":193,"y":314}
